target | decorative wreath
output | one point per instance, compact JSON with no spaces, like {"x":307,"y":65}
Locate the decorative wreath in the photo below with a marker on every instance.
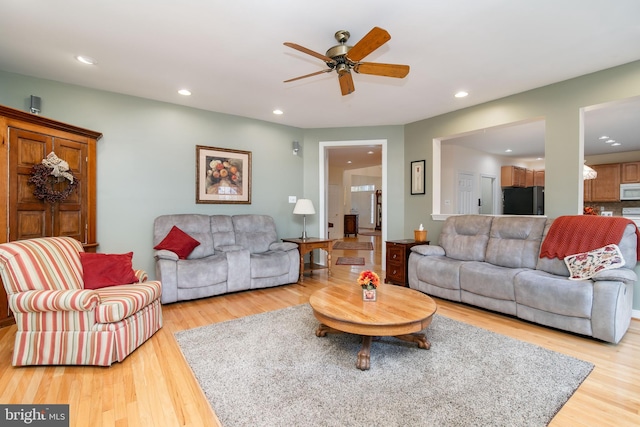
{"x":47,"y":174}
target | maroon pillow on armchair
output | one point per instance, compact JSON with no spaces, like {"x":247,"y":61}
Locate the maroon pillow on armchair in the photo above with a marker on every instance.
{"x":102,"y":270}
{"x":179,"y":242}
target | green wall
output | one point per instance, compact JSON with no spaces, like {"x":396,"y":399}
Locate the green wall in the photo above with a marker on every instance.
{"x":559,"y":105}
{"x":146,"y":159}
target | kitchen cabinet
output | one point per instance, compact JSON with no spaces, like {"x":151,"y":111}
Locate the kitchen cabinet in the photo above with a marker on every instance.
{"x":606,"y":187}
{"x":630,"y":173}
{"x":538,"y":178}
{"x":587,"y":190}
{"x":528,"y":178}
{"x":512,"y":176}
{"x":25,"y":140}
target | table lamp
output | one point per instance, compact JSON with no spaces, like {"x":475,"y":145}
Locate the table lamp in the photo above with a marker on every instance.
{"x":304,"y":207}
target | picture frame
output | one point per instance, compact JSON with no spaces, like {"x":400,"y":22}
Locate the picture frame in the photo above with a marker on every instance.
{"x":223,"y":175}
{"x":417,"y":177}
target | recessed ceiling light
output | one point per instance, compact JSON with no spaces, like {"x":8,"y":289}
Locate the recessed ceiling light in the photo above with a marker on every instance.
{"x":185,"y":92}
{"x":278,"y":112}
{"x":86,"y":60}
{"x":615,"y":144}
{"x":609,"y":141}
{"x":369,"y":152}
{"x":604,"y":137}
{"x":461,"y":94}
{"x":508,"y":150}
{"x":349,"y":161}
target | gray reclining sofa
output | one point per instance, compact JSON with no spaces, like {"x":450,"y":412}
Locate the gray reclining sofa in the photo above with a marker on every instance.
{"x":494,"y":263}
{"x":236,"y":253}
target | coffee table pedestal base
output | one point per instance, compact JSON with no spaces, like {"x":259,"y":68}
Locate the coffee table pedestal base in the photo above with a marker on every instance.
{"x":363,"y":360}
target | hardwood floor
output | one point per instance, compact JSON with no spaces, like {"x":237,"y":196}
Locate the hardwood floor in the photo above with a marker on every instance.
{"x":154,"y":386}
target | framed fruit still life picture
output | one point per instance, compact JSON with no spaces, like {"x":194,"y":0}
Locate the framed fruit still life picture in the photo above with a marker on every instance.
{"x":222,"y":175}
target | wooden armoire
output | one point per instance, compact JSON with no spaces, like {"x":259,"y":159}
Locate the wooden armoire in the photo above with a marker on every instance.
{"x":25,"y":140}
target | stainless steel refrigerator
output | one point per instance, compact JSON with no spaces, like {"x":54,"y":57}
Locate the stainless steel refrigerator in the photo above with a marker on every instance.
{"x":523,"y":201}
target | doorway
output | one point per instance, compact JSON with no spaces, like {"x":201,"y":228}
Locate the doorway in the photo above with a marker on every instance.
{"x":487,"y":194}
{"x":325,"y":188}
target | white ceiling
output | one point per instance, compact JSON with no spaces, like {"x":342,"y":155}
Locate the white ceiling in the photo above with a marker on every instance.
{"x":230,"y":54}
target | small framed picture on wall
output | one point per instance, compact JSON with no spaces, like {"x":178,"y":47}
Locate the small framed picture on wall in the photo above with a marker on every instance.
{"x":417,"y":177}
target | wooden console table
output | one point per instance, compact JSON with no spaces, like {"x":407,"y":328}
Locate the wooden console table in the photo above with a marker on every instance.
{"x":307,"y":246}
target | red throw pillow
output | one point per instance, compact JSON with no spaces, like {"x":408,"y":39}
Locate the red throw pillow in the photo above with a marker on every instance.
{"x":102,"y":270}
{"x":179,"y":242}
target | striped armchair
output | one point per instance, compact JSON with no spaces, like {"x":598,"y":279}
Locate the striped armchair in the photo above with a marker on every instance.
{"x":61,"y":323}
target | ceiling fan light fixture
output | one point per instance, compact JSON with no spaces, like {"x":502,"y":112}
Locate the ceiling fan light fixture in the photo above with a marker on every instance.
{"x":343,"y":59}
{"x":342,"y":68}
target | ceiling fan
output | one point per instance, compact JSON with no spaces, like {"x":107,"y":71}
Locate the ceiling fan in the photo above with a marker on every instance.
{"x":344,"y":59}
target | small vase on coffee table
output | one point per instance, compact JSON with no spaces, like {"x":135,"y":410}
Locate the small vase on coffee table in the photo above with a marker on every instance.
{"x":369,"y":294}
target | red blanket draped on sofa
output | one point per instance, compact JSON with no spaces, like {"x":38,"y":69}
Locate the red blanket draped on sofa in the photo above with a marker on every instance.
{"x":570,"y":235}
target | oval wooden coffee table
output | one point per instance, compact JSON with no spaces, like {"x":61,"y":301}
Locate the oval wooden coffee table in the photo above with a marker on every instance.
{"x":399,"y":312}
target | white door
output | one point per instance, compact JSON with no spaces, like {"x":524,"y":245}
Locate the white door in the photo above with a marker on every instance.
{"x":334,"y":211}
{"x":467,"y":203}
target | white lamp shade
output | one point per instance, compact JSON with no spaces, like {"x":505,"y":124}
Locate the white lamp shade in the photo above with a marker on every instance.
{"x":304,"y":207}
{"x":588,"y":173}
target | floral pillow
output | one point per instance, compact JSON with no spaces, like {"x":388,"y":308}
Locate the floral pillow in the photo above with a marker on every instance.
{"x":585,"y":265}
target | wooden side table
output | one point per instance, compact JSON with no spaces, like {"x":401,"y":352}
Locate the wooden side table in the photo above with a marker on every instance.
{"x":308,"y":245}
{"x":398,"y":252}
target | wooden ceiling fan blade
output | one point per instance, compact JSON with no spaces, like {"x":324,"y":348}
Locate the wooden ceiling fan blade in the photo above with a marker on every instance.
{"x":328,"y":70}
{"x":346,"y":83}
{"x":310,"y":52}
{"x":370,"y":42}
{"x":378,"y":69}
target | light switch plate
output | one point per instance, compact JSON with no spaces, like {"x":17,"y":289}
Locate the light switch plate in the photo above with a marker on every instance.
{"x":606,"y":213}
{"x":292,"y":199}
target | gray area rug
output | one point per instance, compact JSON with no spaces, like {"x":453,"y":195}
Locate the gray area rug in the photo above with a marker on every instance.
{"x":271,"y":370}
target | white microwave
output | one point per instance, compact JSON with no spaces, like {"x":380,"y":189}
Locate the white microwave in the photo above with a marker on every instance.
{"x":630,"y":191}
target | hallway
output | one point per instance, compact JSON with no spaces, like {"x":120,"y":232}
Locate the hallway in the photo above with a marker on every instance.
{"x":372,"y":258}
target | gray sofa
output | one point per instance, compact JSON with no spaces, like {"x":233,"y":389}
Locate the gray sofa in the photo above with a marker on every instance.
{"x":494,"y":263}
{"x":235,"y":253}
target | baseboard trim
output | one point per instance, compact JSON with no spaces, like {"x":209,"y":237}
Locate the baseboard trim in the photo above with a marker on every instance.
{"x":635,"y":314}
